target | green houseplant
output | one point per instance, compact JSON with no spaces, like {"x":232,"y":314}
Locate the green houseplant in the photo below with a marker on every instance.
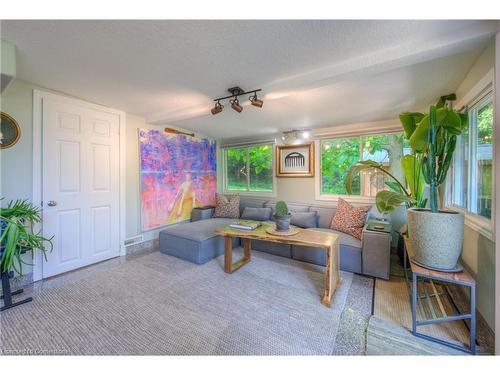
{"x":282,"y":217}
{"x":432,"y":138}
{"x":17,"y":235}
{"x":436,"y":235}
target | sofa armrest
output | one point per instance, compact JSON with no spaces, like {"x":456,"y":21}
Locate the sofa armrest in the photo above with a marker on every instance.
{"x":376,"y":253}
{"x":202,"y":213}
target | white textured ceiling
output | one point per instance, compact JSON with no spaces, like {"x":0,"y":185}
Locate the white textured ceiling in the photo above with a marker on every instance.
{"x":313,"y":73}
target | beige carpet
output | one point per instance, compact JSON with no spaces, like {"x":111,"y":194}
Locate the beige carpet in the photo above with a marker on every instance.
{"x":157,"y":304}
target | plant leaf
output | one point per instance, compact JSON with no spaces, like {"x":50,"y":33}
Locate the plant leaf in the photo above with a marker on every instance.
{"x":412,"y":169}
{"x":443,"y":99}
{"x":388,"y":201}
{"x":355,"y":169}
{"x":394,"y":186}
{"x":410,"y":120}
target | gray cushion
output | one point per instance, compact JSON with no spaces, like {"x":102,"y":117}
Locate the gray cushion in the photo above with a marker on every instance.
{"x":259,"y":214}
{"x":291,"y":207}
{"x":305,"y":219}
{"x":199,"y":230}
{"x":325,"y":215}
{"x":250,"y":202}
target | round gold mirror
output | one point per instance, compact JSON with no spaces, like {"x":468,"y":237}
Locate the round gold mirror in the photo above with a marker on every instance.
{"x":9,"y":131}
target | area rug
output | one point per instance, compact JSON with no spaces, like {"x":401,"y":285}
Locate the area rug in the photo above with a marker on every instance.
{"x":160,"y":305}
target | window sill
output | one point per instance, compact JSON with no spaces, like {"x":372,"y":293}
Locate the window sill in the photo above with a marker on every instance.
{"x":475,"y":222}
{"x":347,"y":198}
{"x":252,"y":193}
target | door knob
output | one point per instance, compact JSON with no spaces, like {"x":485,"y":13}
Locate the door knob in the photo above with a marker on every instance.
{"x":52,"y":203}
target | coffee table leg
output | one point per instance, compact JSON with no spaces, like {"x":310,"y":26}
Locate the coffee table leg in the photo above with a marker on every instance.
{"x":247,"y":245}
{"x":229,"y":266}
{"x":228,"y":254}
{"x":332,"y":277}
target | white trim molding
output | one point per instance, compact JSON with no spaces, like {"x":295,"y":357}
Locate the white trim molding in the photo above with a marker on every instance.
{"x":496,"y":179}
{"x":38,"y":97}
{"x":477,"y":223}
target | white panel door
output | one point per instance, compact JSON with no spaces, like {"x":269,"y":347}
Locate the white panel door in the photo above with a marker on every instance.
{"x":80,"y":185}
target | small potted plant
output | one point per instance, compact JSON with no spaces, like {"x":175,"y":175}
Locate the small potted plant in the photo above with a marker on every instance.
{"x":282,"y":217}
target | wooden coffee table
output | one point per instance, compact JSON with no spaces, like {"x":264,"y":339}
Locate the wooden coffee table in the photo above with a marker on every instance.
{"x":329,"y":241}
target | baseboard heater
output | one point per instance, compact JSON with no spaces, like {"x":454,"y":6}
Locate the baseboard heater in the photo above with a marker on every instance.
{"x":133,"y":240}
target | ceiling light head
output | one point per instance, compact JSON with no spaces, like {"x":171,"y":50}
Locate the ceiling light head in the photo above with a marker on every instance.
{"x":235,"y":104}
{"x":256,"y":102}
{"x":217,"y":108}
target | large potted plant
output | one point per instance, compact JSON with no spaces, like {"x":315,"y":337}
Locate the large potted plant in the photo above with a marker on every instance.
{"x":436,"y":235}
{"x":17,"y":235}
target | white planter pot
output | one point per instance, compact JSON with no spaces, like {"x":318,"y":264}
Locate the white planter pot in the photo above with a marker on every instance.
{"x":436,"y":238}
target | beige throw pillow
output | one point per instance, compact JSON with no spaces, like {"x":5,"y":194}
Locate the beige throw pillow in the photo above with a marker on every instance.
{"x":227,"y":206}
{"x":349,"y":219}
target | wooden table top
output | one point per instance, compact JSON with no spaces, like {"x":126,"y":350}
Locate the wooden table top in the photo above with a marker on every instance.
{"x":462,"y":277}
{"x":304,"y":237}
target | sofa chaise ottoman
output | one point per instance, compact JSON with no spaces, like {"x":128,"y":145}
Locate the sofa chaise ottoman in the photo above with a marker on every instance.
{"x":196,"y":241}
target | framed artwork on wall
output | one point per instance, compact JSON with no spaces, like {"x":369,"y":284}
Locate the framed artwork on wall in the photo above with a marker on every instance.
{"x":178,"y":173}
{"x":295,"y":160}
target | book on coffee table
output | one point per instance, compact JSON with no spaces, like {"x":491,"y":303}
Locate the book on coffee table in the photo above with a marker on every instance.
{"x":245,"y":224}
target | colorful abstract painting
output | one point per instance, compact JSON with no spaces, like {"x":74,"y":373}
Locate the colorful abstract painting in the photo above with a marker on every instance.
{"x":177,"y":173}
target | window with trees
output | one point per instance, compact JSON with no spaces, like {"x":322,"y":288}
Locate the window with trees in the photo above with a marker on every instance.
{"x":338,"y":155}
{"x":249,"y":169}
{"x":472,"y":186}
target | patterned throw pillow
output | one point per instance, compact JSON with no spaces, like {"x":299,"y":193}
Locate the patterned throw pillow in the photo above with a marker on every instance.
{"x":349,"y":219}
{"x":227,"y":206}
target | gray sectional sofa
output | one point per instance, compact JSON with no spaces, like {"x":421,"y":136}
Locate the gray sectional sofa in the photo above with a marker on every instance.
{"x":197,"y":243}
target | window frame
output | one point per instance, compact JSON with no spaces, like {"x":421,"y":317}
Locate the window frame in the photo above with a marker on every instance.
{"x":481,"y":92}
{"x":319,"y":195}
{"x":225,"y":179}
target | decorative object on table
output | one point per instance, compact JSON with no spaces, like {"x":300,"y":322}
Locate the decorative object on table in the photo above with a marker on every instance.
{"x":282,"y":216}
{"x":291,"y":231}
{"x":17,"y":238}
{"x":178,"y":173}
{"x":227,"y":206}
{"x":436,"y":235}
{"x":245,"y":224}
{"x":378,"y":226}
{"x":295,"y":160}
{"x":349,"y":219}
{"x":10,"y":131}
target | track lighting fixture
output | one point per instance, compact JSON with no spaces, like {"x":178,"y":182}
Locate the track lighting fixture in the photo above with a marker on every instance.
{"x":235,"y":104}
{"x":256,"y":102}
{"x":217,"y":108}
